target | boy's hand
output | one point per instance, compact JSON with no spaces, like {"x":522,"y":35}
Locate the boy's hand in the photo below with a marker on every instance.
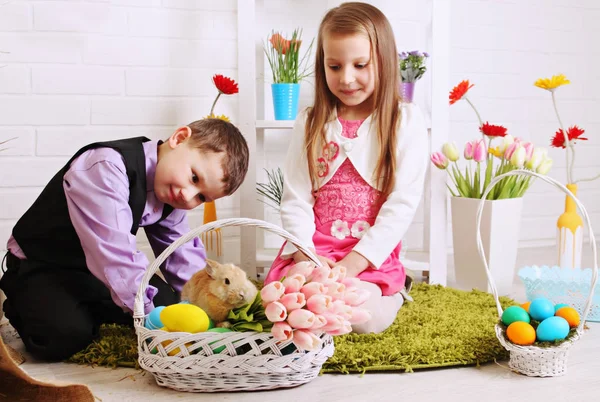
{"x":354,"y":263}
{"x":300,"y":256}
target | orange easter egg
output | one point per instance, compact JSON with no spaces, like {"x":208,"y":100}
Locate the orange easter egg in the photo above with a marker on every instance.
{"x":521,"y":333}
{"x":526,"y":306}
{"x":569,"y":314}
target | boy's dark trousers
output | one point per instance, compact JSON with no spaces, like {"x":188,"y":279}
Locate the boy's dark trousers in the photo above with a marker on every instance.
{"x":58,"y":311}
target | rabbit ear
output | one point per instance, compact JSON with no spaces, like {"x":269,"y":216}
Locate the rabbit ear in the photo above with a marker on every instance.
{"x":211,"y":268}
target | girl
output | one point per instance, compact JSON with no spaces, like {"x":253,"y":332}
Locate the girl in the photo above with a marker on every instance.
{"x":355,"y":167}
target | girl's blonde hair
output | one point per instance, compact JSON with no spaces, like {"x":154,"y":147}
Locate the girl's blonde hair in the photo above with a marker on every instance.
{"x":358,"y":19}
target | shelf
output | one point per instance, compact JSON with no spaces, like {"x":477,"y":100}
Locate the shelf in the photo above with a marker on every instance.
{"x":274,"y":124}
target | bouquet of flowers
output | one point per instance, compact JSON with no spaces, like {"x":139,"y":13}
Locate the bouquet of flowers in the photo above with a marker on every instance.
{"x":574,"y":133}
{"x":284,"y":58}
{"x":412,"y":65}
{"x":313,"y":300}
{"x":512,"y":153}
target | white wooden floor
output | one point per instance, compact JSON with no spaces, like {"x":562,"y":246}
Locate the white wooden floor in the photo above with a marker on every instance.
{"x":491,"y":382}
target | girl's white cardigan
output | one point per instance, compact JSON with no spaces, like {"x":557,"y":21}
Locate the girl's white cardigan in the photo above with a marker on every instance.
{"x":397,"y":212}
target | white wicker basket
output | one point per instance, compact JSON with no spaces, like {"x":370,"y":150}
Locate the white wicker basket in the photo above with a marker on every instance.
{"x":250,"y":361}
{"x":537,"y":361}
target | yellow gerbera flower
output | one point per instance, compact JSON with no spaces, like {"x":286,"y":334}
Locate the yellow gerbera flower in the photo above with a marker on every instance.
{"x":497,"y":152}
{"x":551,"y":84}
{"x":214,"y":116}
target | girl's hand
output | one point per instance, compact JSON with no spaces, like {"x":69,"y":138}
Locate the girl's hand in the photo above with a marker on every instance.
{"x":300,"y":256}
{"x":354,"y":263}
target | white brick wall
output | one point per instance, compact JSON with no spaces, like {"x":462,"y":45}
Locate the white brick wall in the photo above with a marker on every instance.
{"x":90,"y":70}
{"x":503,"y":47}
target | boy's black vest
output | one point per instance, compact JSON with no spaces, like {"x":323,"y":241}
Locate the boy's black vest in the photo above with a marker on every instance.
{"x":45,"y":232}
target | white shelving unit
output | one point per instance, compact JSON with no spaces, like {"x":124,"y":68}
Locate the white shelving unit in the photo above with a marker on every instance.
{"x":250,"y":62}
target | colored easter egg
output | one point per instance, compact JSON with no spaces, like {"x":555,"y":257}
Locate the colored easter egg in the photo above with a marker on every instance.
{"x":514,"y":314}
{"x":526,"y":306}
{"x":552,"y":329}
{"x":153,"y":320}
{"x":220,"y":330}
{"x":559,"y":306}
{"x":184,"y":318}
{"x":174,"y":351}
{"x":569,"y":314}
{"x":541,"y":308}
{"x":521,"y":333}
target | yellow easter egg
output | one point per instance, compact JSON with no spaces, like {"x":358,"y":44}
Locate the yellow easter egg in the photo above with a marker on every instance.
{"x":569,"y":314}
{"x":174,"y":351}
{"x":526,"y":306}
{"x":521,"y":333}
{"x":184,"y":318}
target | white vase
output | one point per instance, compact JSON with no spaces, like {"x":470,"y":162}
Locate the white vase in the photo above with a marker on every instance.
{"x":500,"y":224}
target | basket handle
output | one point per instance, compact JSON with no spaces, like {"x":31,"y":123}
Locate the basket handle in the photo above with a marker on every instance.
{"x":138,"y":305}
{"x":560,"y":186}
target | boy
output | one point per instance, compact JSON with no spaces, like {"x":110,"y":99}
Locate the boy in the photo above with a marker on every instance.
{"x":72,"y":261}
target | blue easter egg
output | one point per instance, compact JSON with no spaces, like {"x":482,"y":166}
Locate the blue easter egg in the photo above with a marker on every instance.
{"x":559,"y":306}
{"x":153,"y":320}
{"x":552,"y":329}
{"x":513,"y":314}
{"x":541,"y":308}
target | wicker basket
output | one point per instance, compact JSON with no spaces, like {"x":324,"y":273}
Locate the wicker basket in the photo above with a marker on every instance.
{"x":230,"y":361}
{"x":533,"y":360}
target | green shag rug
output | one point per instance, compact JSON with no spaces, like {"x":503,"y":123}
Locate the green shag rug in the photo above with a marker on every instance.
{"x":442,"y":327}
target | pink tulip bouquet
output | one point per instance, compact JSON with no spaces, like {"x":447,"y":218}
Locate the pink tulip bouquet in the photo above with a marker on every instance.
{"x":311,"y":301}
{"x":511,"y":153}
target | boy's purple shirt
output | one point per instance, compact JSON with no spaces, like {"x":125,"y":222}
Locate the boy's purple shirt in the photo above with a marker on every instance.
{"x":97,"y":192}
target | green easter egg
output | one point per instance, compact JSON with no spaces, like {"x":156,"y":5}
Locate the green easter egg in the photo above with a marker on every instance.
{"x":559,"y":306}
{"x":221,"y":330}
{"x":515,"y":313}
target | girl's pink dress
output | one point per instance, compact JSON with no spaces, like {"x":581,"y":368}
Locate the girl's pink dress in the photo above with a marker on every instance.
{"x":347,"y":197}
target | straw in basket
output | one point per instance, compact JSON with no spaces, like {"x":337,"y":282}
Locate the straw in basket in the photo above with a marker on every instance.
{"x":537,"y":361}
{"x":229,"y":361}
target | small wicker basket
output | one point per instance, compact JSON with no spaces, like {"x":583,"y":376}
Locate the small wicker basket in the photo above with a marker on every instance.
{"x":537,"y":361}
{"x":229,"y":361}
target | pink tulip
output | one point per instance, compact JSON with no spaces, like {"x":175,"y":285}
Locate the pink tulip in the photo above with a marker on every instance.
{"x":319,"y":303}
{"x":439,"y":160}
{"x":275,"y":312}
{"x":479,"y":151}
{"x":320,"y":322}
{"x":528,"y":150}
{"x":313,"y":288}
{"x":293,"y":283}
{"x":272,"y":292}
{"x":304,"y":268}
{"x":321,"y":274}
{"x":469,"y":148}
{"x":510,"y":150}
{"x":306,"y":340}
{"x":344,"y":329}
{"x":301,"y":318}
{"x":339,"y":272}
{"x":342,"y":309}
{"x":360,"y":315}
{"x":293,"y":301}
{"x":356,"y":297}
{"x":281,"y":331}
{"x":351,"y":282}
{"x":336,"y":290}
{"x":334,"y":322}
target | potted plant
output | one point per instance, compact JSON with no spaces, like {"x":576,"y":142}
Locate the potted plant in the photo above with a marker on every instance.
{"x":411,"y":66}
{"x":288,"y":69}
{"x":569,"y":234}
{"x":502,"y":211}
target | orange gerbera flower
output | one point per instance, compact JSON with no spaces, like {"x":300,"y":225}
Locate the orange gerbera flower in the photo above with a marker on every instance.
{"x":492,"y":130}
{"x":459,"y":91}
{"x":574,"y":133}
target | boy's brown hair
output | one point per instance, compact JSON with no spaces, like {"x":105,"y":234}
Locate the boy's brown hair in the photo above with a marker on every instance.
{"x":216,"y":135}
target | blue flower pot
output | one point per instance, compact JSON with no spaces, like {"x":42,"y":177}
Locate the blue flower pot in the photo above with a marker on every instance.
{"x":285,"y":100}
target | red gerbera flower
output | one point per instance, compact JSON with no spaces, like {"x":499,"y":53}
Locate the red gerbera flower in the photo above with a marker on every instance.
{"x":225,"y":85}
{"x":492,"y":130}
{"x":459,"y":91}
{"x":558,"y":141}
